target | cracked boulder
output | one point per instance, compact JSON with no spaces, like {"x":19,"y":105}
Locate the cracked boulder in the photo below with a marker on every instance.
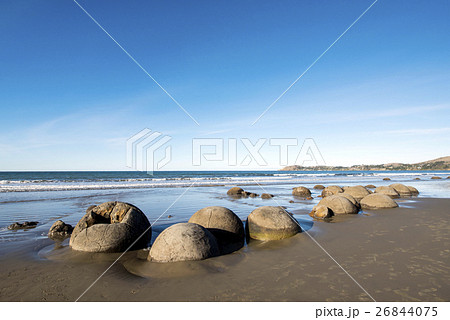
{"x":111,"y":227}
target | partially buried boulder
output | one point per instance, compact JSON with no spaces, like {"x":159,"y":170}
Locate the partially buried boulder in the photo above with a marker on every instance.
{"x":331,"y":190}
{"x":339,"y":205}
{"x":388,"y":191}
{"x":436,"y":178}
{"x":386,"y":179}
{"x":378,"y":201}
{"x":236,"y":191}
{"x":60,"y":230}
{"x":402,"y":190}
{"x":271,"y":223}
{"x":413,"y":190}
{"x":267,"y":196}
{"x":184,"y":242}
{"x":23,"y":225}
{"x":111,"y":227}
{"x":321,"y":212}
{"x":371,"y":186}
{"x":224,"y":224}
{"x":319,"y":187}
{"x":357,"y":192}
{"x":301,"y":192}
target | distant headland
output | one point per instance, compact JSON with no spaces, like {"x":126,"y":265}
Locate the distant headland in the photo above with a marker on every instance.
{"x":442,"y":163}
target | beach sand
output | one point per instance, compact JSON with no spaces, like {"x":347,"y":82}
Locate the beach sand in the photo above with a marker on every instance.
{"x":398,"y":254}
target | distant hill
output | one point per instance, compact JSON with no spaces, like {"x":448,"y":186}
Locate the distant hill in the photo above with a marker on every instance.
{"x":442,"y":163}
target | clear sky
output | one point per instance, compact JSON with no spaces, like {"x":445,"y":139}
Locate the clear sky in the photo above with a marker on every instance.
{"x":70,"y":97}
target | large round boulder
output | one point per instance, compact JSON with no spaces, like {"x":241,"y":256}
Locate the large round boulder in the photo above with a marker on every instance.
{"x":60,"y":231}
{"x":357,"y":192}
{"x":331,"y":190}
{"x":224,"y":224}
{"x":339,"y":205}
{"x":402,"y":190}
{"x":236,"y":191}
{"x":351,"y":199}
{"x":413,"y":190}
{"x":184,"y":242}
{"x":301,"y":192}
{"x":271,"y":223}
{"x":111,"y":227}
{"x":378,"y":201}
{"x":387,"y":190}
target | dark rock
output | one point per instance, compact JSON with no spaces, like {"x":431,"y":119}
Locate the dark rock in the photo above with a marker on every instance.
{"x":267,"y":196}
{"x":60,"y":230}
{"x":24,"y":225}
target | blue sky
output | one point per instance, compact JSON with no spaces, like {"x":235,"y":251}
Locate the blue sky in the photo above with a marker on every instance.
{"x":70,"y":98}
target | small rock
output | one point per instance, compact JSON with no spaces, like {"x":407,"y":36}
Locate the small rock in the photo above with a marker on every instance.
{"x":370,"y":186}
{"x":291,"y":201}
{"x":24,"y":225}
{"x":319,"y":187}
{"x":169,"y":216}
{"x":419,"y":178}
{"x":436,"y":178}
{"x":309,"y":198}
{"x":60,"y":230}
{"x":386,"y":179}
{"x":267,"y":196}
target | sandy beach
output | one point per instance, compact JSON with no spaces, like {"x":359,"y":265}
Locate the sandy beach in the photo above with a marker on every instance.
{"x":397,"y":254}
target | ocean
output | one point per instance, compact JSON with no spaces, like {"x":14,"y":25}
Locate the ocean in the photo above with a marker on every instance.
{"x":171,"y":197}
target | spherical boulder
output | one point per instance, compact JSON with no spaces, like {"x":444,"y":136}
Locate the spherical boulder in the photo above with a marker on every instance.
{"x":357,"y":192}
{"x":351,"y":199}
{"x":111,"y":227}
{"x":301,"y":192}
{"x":184,"y":242}
{"x":224,"y":224}
{"x":331,"y":190}
{"x":236,"y":191}
{"x":321,"y":212}
{"x":319,"y":187}
{"x":271,"y":223}
{"x":378,"y":201}
{"x":389,"y":191}
{"x":402,"y":190}
{"x":60,"y":230}
{"x":339,"y":205}
{"x":413,"y":190}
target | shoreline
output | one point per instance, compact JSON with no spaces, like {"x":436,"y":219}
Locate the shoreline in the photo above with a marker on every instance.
{"x":395,"y":254}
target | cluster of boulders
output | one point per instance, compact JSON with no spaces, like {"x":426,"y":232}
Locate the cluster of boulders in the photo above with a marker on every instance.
{"x":212,"y":231}
{"x":349,"y":200}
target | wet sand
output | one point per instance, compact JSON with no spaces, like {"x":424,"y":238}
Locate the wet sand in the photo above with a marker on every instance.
{"x":398,"y":254}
